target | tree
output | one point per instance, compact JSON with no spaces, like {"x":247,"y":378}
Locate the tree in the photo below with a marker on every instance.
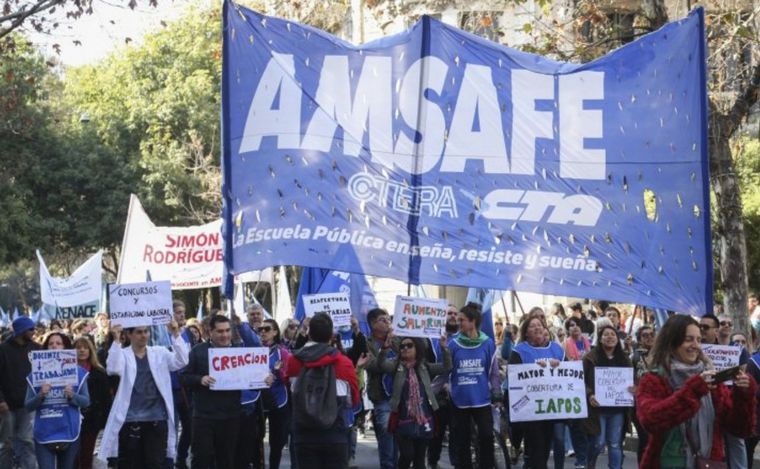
{"x":158,"y":107}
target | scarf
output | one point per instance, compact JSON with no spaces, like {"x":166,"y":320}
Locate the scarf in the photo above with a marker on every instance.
{"x":572,"y":349}
{"x":414,"y":398}
{"x":467,"y":342}
{"x":697,"y":431}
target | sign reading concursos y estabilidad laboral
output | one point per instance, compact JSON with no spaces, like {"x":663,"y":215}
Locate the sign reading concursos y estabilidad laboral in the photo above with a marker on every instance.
{"x":140,"y":304}
{"x":546,"y":393}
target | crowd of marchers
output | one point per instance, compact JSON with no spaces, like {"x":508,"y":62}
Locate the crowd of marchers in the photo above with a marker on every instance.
{"x":137,"y":405}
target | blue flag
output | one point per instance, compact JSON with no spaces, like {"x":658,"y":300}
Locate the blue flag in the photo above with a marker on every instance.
{"x":435,"y":156}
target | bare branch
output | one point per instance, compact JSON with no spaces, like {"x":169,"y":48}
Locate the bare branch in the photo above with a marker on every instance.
{"x":20,"y":16}
{"x":748,"y":98}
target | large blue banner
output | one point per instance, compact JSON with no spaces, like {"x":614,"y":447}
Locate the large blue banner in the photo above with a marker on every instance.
{"x":434,"y":156}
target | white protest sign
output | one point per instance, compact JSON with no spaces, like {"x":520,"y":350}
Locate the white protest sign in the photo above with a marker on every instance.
{"x":337,"y":305}
{"x":722,"y":356}
{"x":140,"y":304}
{"x":546,"y":393}
{"x":611,"y":386}
{"x":54,"y":367}
{"x":419,"y":317}
{"x":238,"y":368}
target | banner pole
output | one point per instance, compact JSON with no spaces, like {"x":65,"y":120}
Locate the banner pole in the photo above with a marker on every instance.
{"x":519,"y":303}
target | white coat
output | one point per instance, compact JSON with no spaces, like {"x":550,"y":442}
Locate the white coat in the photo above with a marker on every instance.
{"x":121,"y":362}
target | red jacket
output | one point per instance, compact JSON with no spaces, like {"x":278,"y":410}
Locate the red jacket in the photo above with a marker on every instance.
{"x":659,"y":409}
{"x":344,"y":370}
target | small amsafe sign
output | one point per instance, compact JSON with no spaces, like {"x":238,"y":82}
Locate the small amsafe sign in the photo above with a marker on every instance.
{"x":140,"y":304}
{"x":419,"y":317}
{"x":54,"y":367}
{"x":238,"y":368}
{"x":612,"y":384}
{"x":546,"y":393}
{"x":337,"y":305}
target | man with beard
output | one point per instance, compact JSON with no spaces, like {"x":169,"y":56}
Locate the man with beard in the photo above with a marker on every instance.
{"x":15,"y":420}
{"x":441,"y":389}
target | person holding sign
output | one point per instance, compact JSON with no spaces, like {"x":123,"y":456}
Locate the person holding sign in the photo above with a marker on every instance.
{"x":475,"y":384}
{"x":536,"y":347}
{"x":606,"y":421}
{"x":683,"y":407}
{"x":57,"y":418}
{"x":412,"y":401}
{"x":140,"y":429}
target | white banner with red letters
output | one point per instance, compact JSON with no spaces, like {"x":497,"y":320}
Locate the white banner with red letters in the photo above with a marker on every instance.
{"x":236,"y":368}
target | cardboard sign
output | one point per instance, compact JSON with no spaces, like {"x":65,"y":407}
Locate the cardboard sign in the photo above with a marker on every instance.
{"x":546,"y":393}
{"x":611,"y":386}
{"x":337,"y":305}
{"x":140,"y":304}
{"x":54,"y":367}
{"x":238,"y":368}
{"x":419,"y":317}
{"x":722,"y":356}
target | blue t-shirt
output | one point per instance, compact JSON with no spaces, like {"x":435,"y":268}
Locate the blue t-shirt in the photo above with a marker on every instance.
{"x":146,"y":403}
{"x":469,"y":381}
{"x":531,"y":354}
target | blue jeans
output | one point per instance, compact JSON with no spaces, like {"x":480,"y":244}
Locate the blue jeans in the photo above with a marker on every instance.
{"x":611,"y":435}
{"x":16,"y":435}
{"x":386,"y":444}
{"x":736,"y":453}
{"x":47,"y":459}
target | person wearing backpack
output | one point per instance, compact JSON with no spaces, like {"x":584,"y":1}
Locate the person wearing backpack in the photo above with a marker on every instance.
{"x":324,"y":387}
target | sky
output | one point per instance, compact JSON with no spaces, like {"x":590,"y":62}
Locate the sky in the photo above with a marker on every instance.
{"x":106,"y":30}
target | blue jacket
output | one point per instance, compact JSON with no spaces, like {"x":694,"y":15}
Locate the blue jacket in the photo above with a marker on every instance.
{"x":57,"y":419}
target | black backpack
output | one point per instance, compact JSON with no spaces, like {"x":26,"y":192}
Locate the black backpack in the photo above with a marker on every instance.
{"x":315,"y":399}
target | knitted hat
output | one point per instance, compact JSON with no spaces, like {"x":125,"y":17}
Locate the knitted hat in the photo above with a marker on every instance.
{"x":21,"y":325}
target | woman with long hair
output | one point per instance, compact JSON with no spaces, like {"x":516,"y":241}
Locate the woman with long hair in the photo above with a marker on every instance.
{"x":275,"y":400}
{"x":96,"y":414}
{"x":682,"y":407}
{"x":605,"y":422}
{"x":412,"y":400}
{"x":57,"y":418}
{"x":535,"y":346}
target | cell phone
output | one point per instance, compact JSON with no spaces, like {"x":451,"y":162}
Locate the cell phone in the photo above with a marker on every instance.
{"x":727,"y":374}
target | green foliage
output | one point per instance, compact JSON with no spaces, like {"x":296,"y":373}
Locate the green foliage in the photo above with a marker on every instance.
{"x":158,"y":107}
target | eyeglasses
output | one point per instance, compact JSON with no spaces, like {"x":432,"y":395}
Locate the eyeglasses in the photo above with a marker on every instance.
{"x":264,"y":329}
{"x":726,"y":323}
{"x":405,"y":346}
{"x":706,"y":327}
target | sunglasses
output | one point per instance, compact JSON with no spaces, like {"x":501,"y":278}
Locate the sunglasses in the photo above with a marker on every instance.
{"x":706,"y":327}
{"x":264,"y":329}
{"x":726,"y":323}
{"x":405,"y":346}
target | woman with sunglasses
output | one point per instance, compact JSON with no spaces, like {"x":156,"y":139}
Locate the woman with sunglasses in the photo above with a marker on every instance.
{"x":58,"y":416}
{"x":275,"y":400}
{"x":289,"y":328}
{"x":412,"y":399}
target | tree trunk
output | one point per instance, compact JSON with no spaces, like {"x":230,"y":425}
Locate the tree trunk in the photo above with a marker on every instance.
{"x":729,"y":232}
